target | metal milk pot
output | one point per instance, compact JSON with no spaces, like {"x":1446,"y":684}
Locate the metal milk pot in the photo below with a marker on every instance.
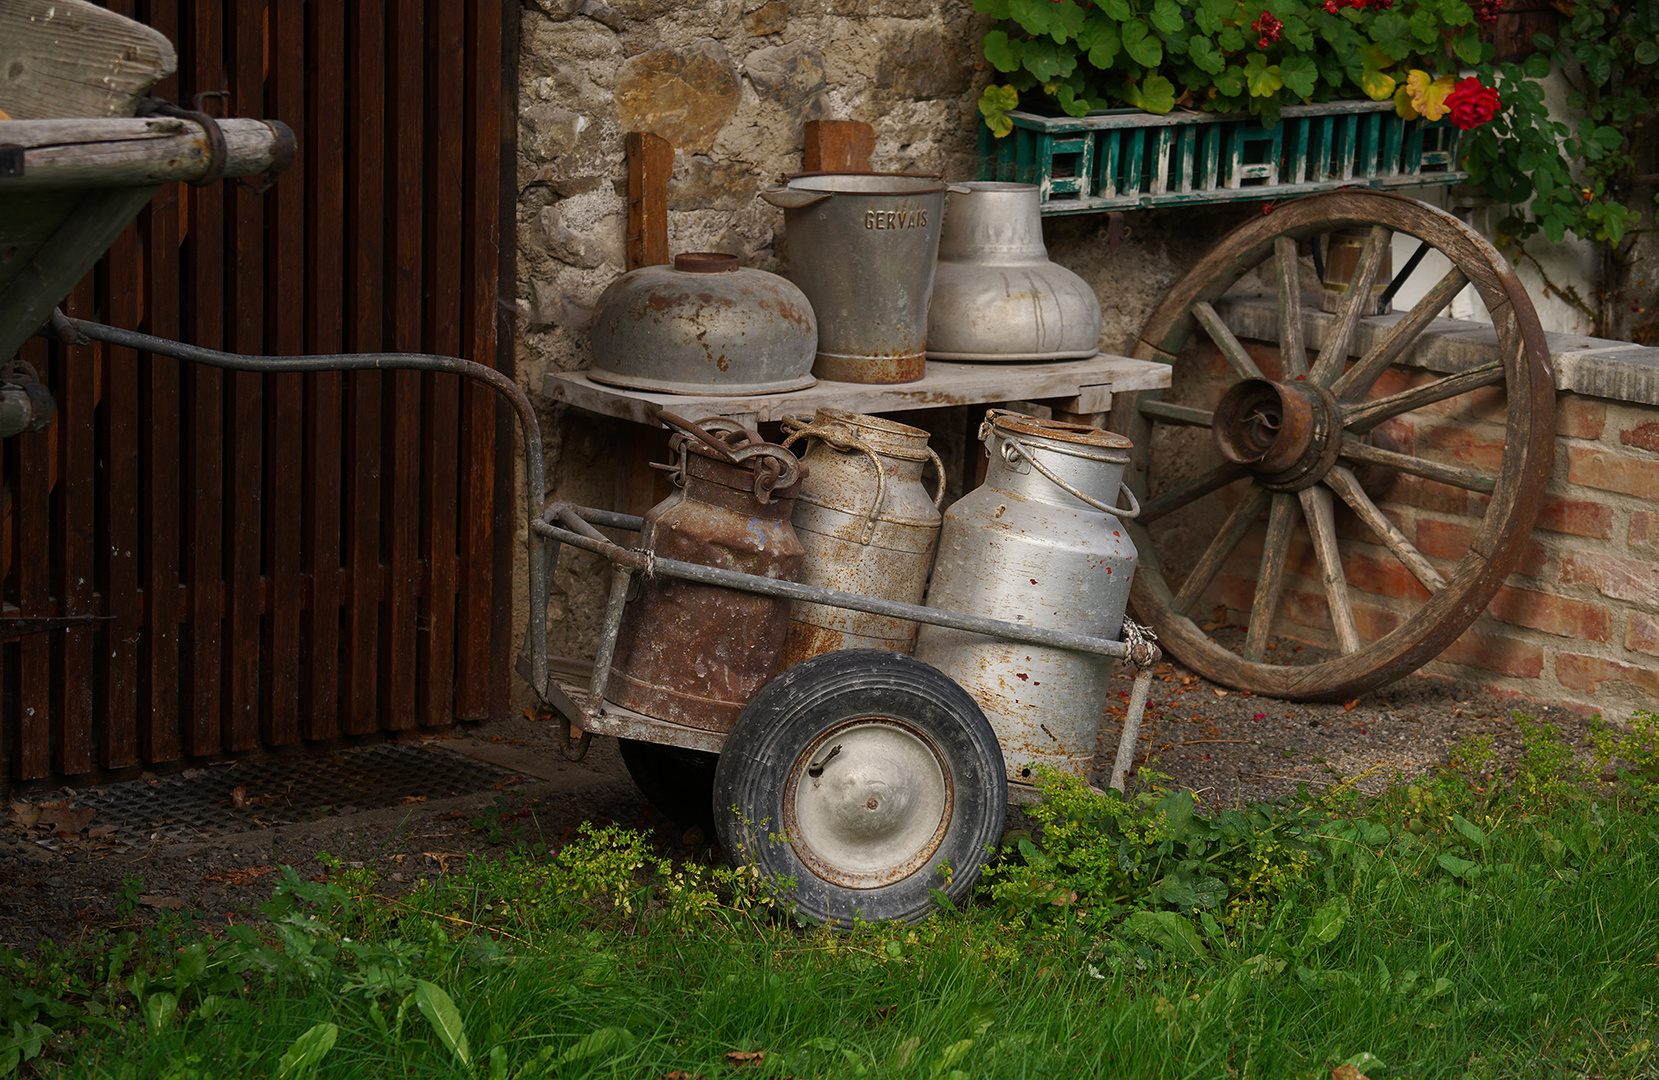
{"x":1038,"y":543}
{"x":695,"y":654}
{"x":868,"y":526}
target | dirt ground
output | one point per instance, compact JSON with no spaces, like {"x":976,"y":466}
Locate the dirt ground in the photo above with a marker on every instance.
{"x":1229,"y":747}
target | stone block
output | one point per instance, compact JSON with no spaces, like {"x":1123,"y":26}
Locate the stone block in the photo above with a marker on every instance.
{"x":770,"y":18}
{"x":925,"y":63}
{"x":1641,"y":633}
{"x":1611,"y":471}
{"x":1497,"y":653}
{"x":788,"y":75}
{"x":1642,"y":436}
{"x":684,"y":95}
{"x":1622,"y":579}
{"x":1559,"y":615}
{"x":1577,"y":671}
{"x":1580,"y":517}
{"x":1579,"y":417}
{"x":1644,"y":530}
{"x":706,"y":184}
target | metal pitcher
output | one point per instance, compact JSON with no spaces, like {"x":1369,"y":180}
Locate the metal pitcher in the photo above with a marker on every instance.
{"x":868,"y":526}
{"x":695,"y":654}
{"x":862,"y":246}
{"x":1040,"y":543}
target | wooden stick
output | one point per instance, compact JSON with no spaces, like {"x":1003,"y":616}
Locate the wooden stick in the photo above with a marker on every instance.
{"x":650,"y":164}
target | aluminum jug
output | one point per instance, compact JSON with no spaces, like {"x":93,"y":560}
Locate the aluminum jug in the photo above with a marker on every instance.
{"x":868,"y":527}
{"x":695,"y":654}
{"x":1038,"y":543}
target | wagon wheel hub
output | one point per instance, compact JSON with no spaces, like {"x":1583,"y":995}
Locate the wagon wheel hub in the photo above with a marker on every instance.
{"x":1288,"y":434}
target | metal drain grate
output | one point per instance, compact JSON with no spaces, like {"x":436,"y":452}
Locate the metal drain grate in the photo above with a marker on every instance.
{"x":202,"y":806}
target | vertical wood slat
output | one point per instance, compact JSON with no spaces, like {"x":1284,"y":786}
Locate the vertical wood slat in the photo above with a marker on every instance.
{"x":30,"y":562}
{"x":442,"y":416}
{"x":400,"y":517}
{"x":480,"y":255}
{"x":285,"y":394}
{"x":118,"y":718}
{"x":366,"y":252}
{"x":505,"y":509}
{"x":204,"y":255}
{"x":325,"y":185}
{"x":244,"y":258}
{"x":71,"y":436}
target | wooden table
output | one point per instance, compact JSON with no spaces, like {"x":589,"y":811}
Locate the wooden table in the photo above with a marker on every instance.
{"x":1077,"y":390}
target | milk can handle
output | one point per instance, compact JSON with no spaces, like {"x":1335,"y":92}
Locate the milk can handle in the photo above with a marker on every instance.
{"x":1012,"y":448}
{"x":938,"y":467}
{"x":840,"y":440}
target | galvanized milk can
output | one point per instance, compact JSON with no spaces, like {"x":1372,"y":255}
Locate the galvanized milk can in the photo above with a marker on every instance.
{"x":1038,"y":543}
{"x":868,"y":527}
{"x":862,"y":246}
{"x":695,"y":654}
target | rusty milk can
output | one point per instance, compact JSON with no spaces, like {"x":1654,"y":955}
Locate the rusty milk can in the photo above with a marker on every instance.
{"x":868,"y":527}
{"x":695,"y":654}
{"x":1038,"y":543}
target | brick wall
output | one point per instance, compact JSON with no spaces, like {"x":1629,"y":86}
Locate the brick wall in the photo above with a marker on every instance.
{"x":1577,"y":620}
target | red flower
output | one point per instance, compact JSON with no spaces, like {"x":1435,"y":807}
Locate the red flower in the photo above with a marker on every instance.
{"x":1269,"y":27}
{"x":1487,"y":10}
{"x":1332,"y":6}
{"x":1471,"y":104}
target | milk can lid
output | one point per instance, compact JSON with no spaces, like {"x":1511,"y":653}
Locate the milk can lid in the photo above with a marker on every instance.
{"x":1061,"y":430}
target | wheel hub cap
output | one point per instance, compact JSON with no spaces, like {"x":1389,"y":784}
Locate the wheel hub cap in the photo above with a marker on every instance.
{"x":867,"y":804}
{"x":1288,"y":434}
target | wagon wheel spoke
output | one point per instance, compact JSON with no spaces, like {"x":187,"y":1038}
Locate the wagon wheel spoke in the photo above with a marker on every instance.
{"x":1467,"y":479}
{"x":1281,"y":520}
{"x":1346,"y":485}
{"x":1361,"y":418}
{"x":1354,"y":301}
{"x":1328,"y":446}
{"x":1189,"y":492}
{"x":1238,"y":523}
{"x":1354,"y":382}
{"x":1293,"y":357}
{"x":1321,"y":519}
{"x":1229,"y":345}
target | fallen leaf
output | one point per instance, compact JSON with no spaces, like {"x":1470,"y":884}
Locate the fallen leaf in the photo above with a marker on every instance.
{"x":745,"y":1057}
{"x":412,"y":798}
{"x":100,"y":832}
{"x":1221,"y":693}
{"x":1349,"y":705}
{"x":453,"y":815}
{"x":246,"y":875}
{"x":239,"y":796}
{"x":1348,"y":1072}
{"x":24,"y":815}
{"x":66,"y":820}
{"x":1220,"y":613}
{"x":677,"y":1074}
{"x":172,"y":903}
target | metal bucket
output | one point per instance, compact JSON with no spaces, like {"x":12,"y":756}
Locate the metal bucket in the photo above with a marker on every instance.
{"x":863,"y":246}
{"x":695,"y":654}
{"x":868,"y":526}
{"x":1038,"y":543}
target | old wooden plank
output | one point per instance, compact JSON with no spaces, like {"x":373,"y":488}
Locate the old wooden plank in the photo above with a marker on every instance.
{"x":118,"y":718}
{"x":838,"y":146}
{"x":68,"y":154}
{"x":325,"y":288}
{"x":73,"y":58}
{"x":74,"y":511}
{"x":365,"y":322}
{"x":506,"y":275}
{"x":440,"y":446}
{"x":401,"y":496}
{"x":650,"y":166}
{"x":285,"y":394}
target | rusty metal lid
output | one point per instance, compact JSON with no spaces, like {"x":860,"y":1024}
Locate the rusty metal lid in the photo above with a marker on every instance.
{"x":705,"y":262}
{"x":1060,"y":430}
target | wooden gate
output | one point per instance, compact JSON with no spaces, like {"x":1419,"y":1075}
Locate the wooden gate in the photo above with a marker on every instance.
{"x":277,"y":559}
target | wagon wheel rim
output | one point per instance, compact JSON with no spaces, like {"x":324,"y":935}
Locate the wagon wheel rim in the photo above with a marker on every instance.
{"x":1292,"y":449}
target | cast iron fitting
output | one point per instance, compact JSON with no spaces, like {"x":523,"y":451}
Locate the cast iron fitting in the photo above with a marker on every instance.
{"x":1288,"y":434}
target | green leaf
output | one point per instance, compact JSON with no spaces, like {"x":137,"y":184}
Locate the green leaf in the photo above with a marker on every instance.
{"x":1455,"y":13}
{"x":1101,"y":40}
{"x":1207,"y":21}
{"x":1032,"y":15}
{"x":1326,"y":924}
{"x":1230,"y":82}
{"x":1537,"y":65}
{"x":1262,"y":77}
{"x":1459,"y":868}
{"x":440,"y":1011}
{"x":1647,"y":52}
{"x":1392,"y":35}
{"x":1300,"y":75}
{"x":1153,"y":94}
{"x":1167,"y":930}
{"x":1469,"y":829}
{"x":1204,"y":53}
{"x":1117,"y":10}
{"x":994,"y":105}
{"x":1166,"y":16}
{"x":1143,"y":48}
{"x":159,"y":1010}
{"x":1467,"y":48}
{"x":1066,"y":21}
{"x":307,"y":1050}
{"x":1231,"y":39}
{"x":1556,"y":230}
{"x":1425,"y":25}
{"x":1003,"y":52}
{"x":605,"y":1040}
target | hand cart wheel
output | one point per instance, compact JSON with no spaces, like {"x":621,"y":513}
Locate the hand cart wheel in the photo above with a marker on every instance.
{"x":1318,"y":438}
{"x":866,"y":779}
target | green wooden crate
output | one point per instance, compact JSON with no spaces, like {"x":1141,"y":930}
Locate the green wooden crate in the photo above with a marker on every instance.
{"x":1125,"y":158}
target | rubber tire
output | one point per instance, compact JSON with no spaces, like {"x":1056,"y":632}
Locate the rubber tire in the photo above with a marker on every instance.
{"x":677,"y":781}
{"x":811,"y":698}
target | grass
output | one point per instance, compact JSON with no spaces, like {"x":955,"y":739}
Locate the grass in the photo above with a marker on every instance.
{"x":1473,"y":925}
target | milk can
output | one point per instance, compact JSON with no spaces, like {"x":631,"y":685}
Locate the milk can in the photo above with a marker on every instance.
{"x":1038,"y":543}
{"x":695,"y":654}
{"x":868,"y":527}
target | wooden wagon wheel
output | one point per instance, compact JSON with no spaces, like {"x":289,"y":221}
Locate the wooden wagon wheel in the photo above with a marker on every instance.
{"x":1312,"y":445}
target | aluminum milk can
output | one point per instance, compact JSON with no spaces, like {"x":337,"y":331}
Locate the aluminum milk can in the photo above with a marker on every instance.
{"x":695,"y":654}
{"x":868,"y":527}
{"x":1038,"y":543}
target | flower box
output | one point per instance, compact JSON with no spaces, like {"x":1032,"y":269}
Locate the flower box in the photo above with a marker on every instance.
{"x":1124,"y":158}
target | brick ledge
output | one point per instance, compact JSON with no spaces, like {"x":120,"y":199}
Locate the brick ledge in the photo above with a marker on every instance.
{"x":1595,"y":367}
